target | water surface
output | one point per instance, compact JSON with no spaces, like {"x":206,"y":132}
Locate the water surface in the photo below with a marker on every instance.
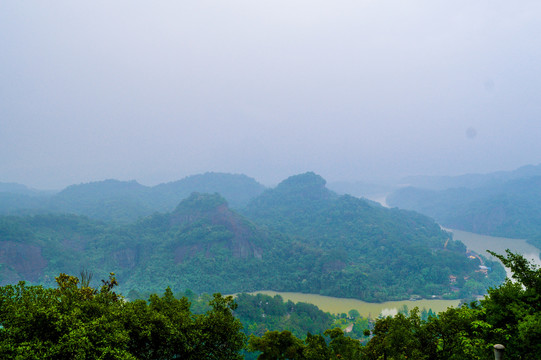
{"x":336,"y":305}
{"x":475,"y":242}
{"x":481,"y":243}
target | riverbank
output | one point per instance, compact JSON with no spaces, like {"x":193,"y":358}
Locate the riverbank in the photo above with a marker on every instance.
{"x":481,"y":243}
{"x":475,"y":242}
{"x":336,"y":305}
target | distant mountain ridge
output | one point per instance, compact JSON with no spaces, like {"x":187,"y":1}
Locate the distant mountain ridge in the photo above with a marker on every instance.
{"x":471,"y":181}
{"x":507,"y":205}
{"x":126,"y":201}
{"x":14,"y":188}
{"x":299,"y":236}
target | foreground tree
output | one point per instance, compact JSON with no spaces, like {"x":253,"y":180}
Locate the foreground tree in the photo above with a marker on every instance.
{"x":509,"y":315}
{"x":75,"y":321}
{"x":513,"y":310}
{"x":275,"y":345}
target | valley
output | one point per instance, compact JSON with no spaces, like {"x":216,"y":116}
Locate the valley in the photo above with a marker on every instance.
{"x":332,"y":261}
{"x":297,"y":237}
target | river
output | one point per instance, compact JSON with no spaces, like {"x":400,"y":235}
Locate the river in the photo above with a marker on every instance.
{"x":336,"y":305}
{"x":475,"y":242}
{"x":481,"y":243}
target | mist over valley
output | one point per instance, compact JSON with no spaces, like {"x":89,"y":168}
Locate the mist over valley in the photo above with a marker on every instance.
{"x":362,"y":180}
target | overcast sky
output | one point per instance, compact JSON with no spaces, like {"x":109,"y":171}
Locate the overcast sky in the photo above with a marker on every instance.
{"x":352,"y":90}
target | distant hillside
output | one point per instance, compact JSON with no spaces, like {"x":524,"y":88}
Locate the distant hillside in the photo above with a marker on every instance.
{"x":510,"y":209}
{"x":237,"y":189}
{"x":361,"y":189}
{"x":108,"y":200}
{"x":14,"y":188}
{"x":126,"y":201}
{"x":180,"y":248}
{"x":375,"y":252}
{"x":472,"y":181}
{"x":18,"y":198}
{"x":303,"y":237}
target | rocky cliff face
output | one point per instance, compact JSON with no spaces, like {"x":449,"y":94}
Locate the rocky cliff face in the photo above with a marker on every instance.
{"x":205,"y":215}
{"x":20,"y":262}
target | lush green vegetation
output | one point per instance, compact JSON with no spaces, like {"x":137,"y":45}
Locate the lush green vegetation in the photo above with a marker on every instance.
{"x":76,"y":321}
{"x":126,"y":201}
{"x":371,"y":252}
{"x":509,"y":315}
{"x":341,"y":246}
{"x":510,"y":209}
{"x":261,"y":313}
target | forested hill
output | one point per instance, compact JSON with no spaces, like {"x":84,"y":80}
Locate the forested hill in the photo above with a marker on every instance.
{"x":472,"y":181}
{"x":297,"y":237}
{"x":510,"y":209}
{"x":126,"y":201}
{"x":304,"y":207}
{"x":391,"y":251}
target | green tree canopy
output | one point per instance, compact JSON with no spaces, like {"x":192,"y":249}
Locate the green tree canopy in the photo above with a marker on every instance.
{"x":74,"y":321}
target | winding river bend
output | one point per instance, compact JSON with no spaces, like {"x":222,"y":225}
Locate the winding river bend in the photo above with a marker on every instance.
{"x":481,"y":243}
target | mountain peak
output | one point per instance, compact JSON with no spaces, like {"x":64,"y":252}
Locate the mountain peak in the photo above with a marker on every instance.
{"x":104,"y":188}
{"x":201,"y":202}
{"x":308,"y":179}
{"x":295,"y":192}
{"x":307,"y":186}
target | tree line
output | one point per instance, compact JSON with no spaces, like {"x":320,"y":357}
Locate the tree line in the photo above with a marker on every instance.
{"x":76,"y":321}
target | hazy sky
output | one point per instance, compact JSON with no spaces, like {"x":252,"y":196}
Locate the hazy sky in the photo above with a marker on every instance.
{"x":159,"y":90}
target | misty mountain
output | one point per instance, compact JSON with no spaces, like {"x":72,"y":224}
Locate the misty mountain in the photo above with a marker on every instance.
{"x":303,"y":207}
{"x":13,"y":203}
{"x":361,"y":189}
{"x":106,"y":200}
{"x":237,"y":189}
{"x":201,"y":221}
{"x":508,"y":209}
{"x":14,"y":188}
{"x":299,"y":236}
{"x":471,"y":181}
{"x":17,"y":198}
{"x":127,"y":201}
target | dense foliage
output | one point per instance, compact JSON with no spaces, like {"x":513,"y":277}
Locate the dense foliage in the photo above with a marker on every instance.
{"x":509,"y":209}
{"x":509,"y":315}
{"x":370,"y":252}
{"x":261,"y":313}
{"x":75,"y":321}
{"x":126,"y":201}
{"x":303,"y":238}
{"x":332,"y":345}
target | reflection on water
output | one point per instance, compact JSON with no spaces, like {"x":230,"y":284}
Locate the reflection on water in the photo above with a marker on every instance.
{"x":481,"y":243}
